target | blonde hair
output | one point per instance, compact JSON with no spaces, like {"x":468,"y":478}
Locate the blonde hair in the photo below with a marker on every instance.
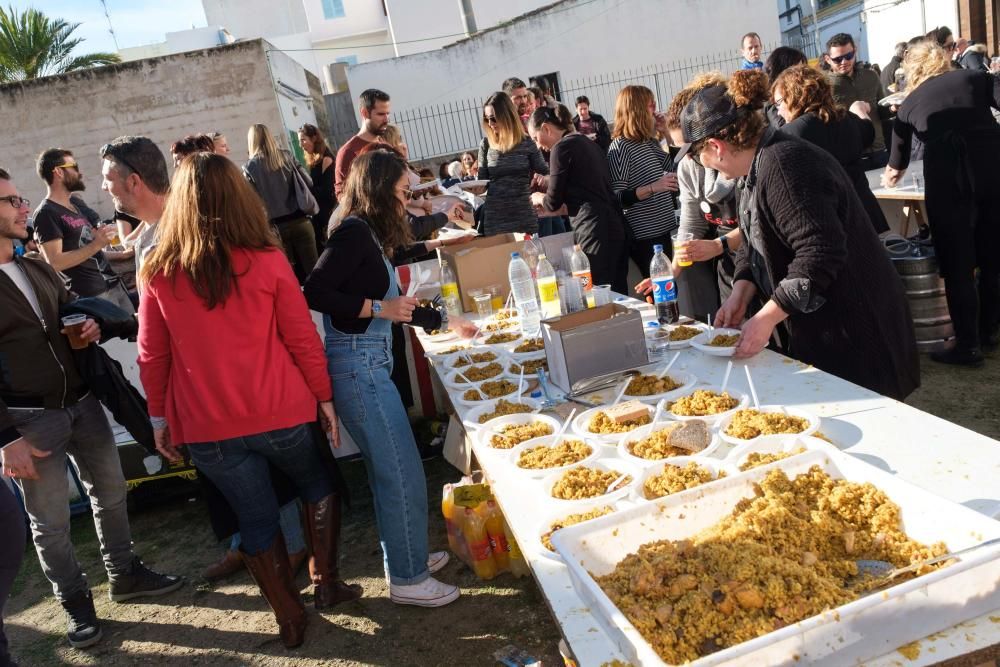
{"x":633,"y":120}
{"x":509,"y":130}
{"x":924,"y":60}
{"x":262,"y":143}
{"x":392,"y":136}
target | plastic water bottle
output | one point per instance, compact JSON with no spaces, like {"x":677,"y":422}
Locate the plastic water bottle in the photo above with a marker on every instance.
{"x":661,"y":273}
{"x":548,"y":288}
{"x":449,"y":290}
{"x":579,"y":265}
{"x":522,"y":286}
{"x":532,"y":250}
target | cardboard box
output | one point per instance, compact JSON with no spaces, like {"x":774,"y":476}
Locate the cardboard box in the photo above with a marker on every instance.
{"x":481,"y":263}
{"x":592,"y":343}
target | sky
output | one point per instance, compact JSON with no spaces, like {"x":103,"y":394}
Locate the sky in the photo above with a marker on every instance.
{"x":136,"y":22}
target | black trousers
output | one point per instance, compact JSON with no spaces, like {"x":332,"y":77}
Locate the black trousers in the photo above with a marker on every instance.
{"x":12,"y":536}
{"x":609,"y":265}
{"x":641,"y":251}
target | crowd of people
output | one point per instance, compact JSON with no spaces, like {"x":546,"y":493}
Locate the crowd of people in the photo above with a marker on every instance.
{"x":761,"y":173}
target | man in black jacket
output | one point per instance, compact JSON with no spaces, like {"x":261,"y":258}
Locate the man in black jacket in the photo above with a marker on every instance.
{"x":47,"y":414}
{"x":591,"y":124}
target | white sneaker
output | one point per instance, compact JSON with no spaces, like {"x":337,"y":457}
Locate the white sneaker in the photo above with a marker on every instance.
{"x":428,"y":593}
{"x":435,"y":561}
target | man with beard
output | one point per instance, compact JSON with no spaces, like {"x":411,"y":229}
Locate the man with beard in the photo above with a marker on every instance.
{"x":519,"y":95}
{"x":135,"y":175}
{"x":48,"y":414}
{"x":374,"y":108}
{"x":69,"y":242}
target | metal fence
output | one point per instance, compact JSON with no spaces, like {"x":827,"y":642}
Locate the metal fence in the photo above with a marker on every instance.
{"x":445,"y":130}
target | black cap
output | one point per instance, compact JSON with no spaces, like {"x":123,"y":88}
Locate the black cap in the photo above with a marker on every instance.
{"x":709,"y":111}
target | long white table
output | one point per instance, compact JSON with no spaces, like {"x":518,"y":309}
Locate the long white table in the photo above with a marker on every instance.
{"x":951,"y":461}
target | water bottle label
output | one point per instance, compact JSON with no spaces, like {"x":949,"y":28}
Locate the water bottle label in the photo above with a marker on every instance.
{"x":588,"y":281}
{"x":664,"y":290}
{"x":449,"y":290}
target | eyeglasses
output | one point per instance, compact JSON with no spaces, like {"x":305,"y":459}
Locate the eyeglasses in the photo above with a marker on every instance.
{"x":778,"y":101}
{"x":490,"y":120}
{"x":108,"y":149}
{"x":16,"y":202}
{"x":840,"y":59}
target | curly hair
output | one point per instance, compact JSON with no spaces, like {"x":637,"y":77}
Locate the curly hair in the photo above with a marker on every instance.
{"x":805,"y":90}
{"x":924,"y":60}
{"x":681,"y":99}
{"x":748,"y":91}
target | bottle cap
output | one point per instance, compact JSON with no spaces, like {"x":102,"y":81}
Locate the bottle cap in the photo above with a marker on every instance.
{"x":657,"y":248}
{"x":652,"y":325}
{"x":542,"y":256}
{"x":536,"y":394}
{"x":515,"y":255}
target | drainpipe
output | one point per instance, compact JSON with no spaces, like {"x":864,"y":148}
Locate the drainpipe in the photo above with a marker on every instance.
{"x":468,"y":17}
{"x":819,"y":48}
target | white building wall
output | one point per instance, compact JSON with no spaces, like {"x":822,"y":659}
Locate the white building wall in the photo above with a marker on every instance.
{"x":360,"y":18}
{"x":890,"y":24}
{"x":249,"y":19}
{"x":179,"y":42}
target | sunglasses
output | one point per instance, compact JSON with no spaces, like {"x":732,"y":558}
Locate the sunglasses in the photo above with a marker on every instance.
{"x":16,"y":202}
{"x":108,"y":149}
{"x":68,"y":165}
{"x":490,"y":120}
{"x":407,"y":192}
{"x":840,"y":59}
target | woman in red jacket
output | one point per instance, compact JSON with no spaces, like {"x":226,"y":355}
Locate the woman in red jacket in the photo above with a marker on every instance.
{"x":233,"y":368}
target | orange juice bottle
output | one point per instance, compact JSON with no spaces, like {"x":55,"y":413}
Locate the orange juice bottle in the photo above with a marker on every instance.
{"x":518,"y":566}
{"x":478,"y":542}
{"x":494,"y":530}
{"x":455,"y":541}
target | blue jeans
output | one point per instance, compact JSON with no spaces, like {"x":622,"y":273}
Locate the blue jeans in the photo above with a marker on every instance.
{"x":238,"y":466}
{"x":369,"y":406}
{"x":291,"y":528}
{"x":551,"y":226}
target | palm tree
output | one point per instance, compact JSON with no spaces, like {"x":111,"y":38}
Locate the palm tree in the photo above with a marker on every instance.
{"x":33,"y":45}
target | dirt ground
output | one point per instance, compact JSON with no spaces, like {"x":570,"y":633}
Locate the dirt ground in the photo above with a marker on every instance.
{"x":229,"y":624}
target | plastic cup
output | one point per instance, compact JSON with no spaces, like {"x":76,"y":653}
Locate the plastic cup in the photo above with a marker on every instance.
{"x":73,"y":324}
{"x":602,"y":295}
{"x":114,"y":240}
{"x":496,"y":291}
{"x":679,"y":239}
{"x":483,"y":304}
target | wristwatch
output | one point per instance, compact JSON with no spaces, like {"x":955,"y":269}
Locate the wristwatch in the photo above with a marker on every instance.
{"x":725,"y":244}
{"x":376,"y":308}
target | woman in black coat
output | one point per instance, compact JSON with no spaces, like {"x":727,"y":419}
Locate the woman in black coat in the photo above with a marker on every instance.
{"x":804,"y":99}
{"x":950,"y":111}
{"x":810,"y":250}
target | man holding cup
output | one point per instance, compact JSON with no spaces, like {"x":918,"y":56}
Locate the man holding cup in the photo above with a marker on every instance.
{"x":47,"y":414}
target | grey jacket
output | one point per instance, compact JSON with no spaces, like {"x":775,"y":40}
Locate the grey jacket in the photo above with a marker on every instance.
{"x":276,"y":187}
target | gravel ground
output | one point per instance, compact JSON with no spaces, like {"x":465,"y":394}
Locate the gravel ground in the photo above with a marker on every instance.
{"x":229,"y":624}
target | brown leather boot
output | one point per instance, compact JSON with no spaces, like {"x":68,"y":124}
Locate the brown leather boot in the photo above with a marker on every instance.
{"x":271,"y":571}
{"x":225,"y":567}
{"x":323,"y":531}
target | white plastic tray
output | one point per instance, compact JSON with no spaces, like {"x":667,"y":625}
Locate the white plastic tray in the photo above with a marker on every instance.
{"x":863,"y":629}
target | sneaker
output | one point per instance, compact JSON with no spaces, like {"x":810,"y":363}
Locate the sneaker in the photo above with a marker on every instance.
{"x":428,"y":593}
{"x":142,"y":582}
{"x":435,"y":561}
{"x":82,"y":627}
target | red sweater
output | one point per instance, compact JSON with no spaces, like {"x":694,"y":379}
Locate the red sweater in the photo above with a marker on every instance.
{"x":250,"y":365}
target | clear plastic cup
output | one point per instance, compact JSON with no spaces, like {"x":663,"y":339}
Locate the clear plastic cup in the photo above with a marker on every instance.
{"x":73,"y":324}
{"x":679,"y":239}
{"x":602,"y":295}
{"x":483,"y":305}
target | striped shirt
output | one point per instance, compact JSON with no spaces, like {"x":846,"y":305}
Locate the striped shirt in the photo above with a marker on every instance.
{"x":635,"y":164}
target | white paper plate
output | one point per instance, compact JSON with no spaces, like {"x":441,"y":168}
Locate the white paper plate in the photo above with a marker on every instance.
{"x":580,"y":422}
{"x":687,"y":381}
{"x":450,"y":360}
{"x":794,"y":412}
{"x":700,"y":342}
{"x":644,"y":432}
{"x":622,"y":467}
{"x":436,"y":183}
{"x":545,"y":525}
{"x":596,"y":451}
{"x":711,"y":419}
{"x":480,"y":340}
{"x":772,"y":444}
{"x":452,"y":381}
{"x":485,"y":407}
{"x":512,"y":396}
{"x":443,"y":337}
{"x":447,"y":234}
{"x":714,"y":466}
{"x":512,"y":359}
{"x":465,"y":185}
{"x":493,"y":427}
{"x":680,"y":344}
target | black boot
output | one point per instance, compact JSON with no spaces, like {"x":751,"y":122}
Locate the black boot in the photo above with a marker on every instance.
{"x":82,"y":626}
{"x":959,"y":356}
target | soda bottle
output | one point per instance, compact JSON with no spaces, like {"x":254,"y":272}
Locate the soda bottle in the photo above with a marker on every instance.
{"x":455,"y":541}
{"x":661,"y":273}
{"x":518,"y":566}
{"x":522,"y":286}
{"x":579,"y":265}
{"x":449,"y":290}
{"x":494,"y":530}
{"x":548,"y":289}
{"x":476,"y":538}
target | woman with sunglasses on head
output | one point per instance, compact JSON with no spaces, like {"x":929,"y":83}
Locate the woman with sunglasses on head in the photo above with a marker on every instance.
{"x":580,"y":182}
{"x":951,"y":112}
{"x":804,"y":99}
{"x":508,"y":159}
{"x":320,"y":160}
{"x":248,"y":394}
{"x":354,"y":286}
{"x":809,"y":251}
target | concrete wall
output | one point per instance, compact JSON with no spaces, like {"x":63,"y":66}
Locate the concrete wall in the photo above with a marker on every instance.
{"x":222,"y":89}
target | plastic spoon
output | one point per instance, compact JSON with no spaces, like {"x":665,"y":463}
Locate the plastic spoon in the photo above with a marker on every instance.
{"x":664,"y":371}
{"x":881,"y":568}
{"x":753,"y":390}
{"x":562,"y":429}
{"x":725,"y":378}
{"x":611,"y":487}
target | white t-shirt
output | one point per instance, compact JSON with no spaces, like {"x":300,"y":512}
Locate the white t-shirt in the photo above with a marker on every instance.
{"x":15,"y":273}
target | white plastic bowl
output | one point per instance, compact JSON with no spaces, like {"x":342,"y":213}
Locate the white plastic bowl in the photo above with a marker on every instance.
{"x":545,"y":525}
{"x":485,"y":407}
{"x":508,"y":347}
{"x":581,"y":421}
{"x":518,"y":359}
{"x":596,"y":451}
{"x":772,"y":444}
{"x":687,"y":381}
{"x":604,"y":464}
{"x":792,"y":411}
{"x":681,"y":344}
{"x":645,"y":431}
{"x":493,"y":427}
{"x":453,"y":358}
{"x":454,"y":382}
{"x":512,"y":396}
{"x":711,"y":419}
{"x":700,"y":342}
{"x":714,"y":466}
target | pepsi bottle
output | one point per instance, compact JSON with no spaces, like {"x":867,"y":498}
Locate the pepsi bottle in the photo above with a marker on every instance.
{"x":661,"y":274}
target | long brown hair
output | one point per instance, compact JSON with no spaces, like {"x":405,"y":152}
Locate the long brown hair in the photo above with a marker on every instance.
{"x":318,"y":143}
{"x":509,"y":130}
{"x":370,"y":194}
{"x":210,"y":212}
{"x":806,"y":90}
{"x":261,"y":142}
{"x":633,"y":120}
